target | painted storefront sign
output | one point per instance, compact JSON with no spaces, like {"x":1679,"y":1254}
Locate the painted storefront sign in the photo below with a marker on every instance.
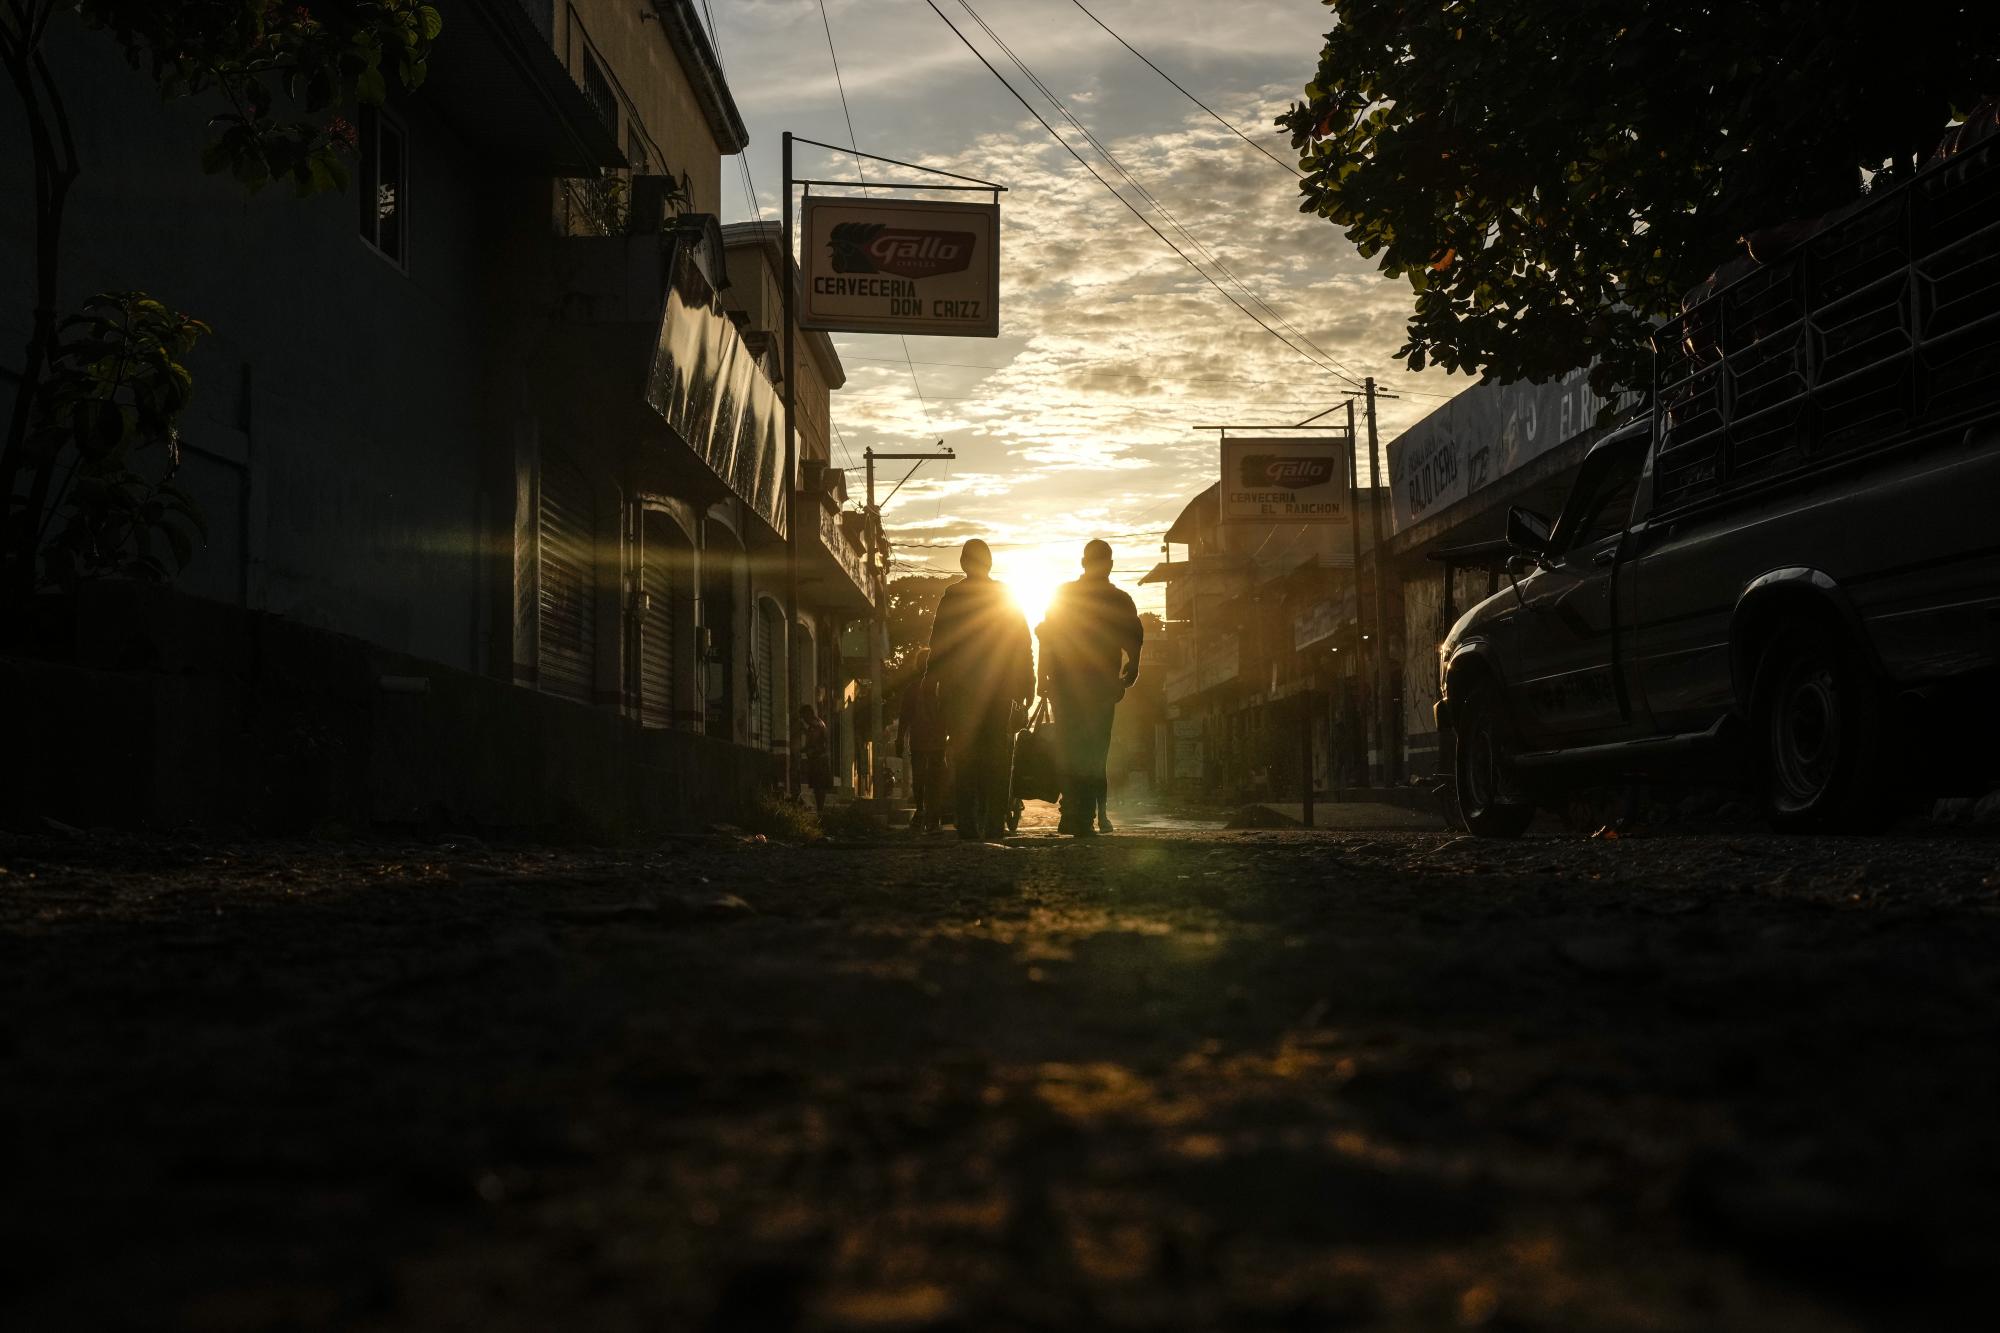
{"x":1482,"y":435}
{"x":1285,"y":481}
{"x":900,"y":266}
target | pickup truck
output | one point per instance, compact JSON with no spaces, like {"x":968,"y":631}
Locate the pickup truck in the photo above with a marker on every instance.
{"x":1787,"y":574}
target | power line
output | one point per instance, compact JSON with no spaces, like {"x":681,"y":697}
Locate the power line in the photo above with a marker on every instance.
{"x":1099,"y":374}
{"x":852,"y":141}
{"x":911,"y":366}
{"x":1184,"y":92}
{"x":1187,"y":235}
{"x":1051,"y":541}
{"x":742,"y":158}
{"x":854,"y":145}
{"x":1104,"y":151}
{"x":1129,"y":206}
{"x":756,"y":205}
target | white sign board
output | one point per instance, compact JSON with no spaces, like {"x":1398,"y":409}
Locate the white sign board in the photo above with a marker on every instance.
{"x":900,"y":266}
{"x":1285,"y":481}
{"x":1482,"y":435}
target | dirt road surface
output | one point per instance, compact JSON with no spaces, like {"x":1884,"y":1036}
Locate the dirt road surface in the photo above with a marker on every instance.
{"x":1172,"y":1079}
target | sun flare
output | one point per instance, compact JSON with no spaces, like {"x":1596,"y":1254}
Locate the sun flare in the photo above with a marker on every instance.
{"x":1032,"y":575}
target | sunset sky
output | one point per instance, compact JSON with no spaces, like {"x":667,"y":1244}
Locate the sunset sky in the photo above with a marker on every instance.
{"x":1077,"y":421}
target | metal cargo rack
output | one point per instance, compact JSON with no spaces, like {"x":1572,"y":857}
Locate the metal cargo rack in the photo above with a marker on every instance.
{"x":1881,"y":325}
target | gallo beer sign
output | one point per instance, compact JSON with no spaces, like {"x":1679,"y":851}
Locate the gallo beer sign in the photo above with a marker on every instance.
{"x":1285,"y":481}
{"x":901,"y":266}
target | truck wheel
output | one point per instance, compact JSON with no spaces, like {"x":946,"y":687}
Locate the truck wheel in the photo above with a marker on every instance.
{"x":1818,"y":721}
{"x":1480,"y":768}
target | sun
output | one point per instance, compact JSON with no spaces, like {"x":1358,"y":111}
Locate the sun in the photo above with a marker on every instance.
{"x":1032,"y":575}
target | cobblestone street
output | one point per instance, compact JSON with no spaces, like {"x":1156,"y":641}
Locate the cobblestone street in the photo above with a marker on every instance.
{"x":1173,"y":1079}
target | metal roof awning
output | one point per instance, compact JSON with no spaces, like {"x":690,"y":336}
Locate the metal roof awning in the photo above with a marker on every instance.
{"x":1474,"y":555}
{"x":1186,"y":525}
{"x":1169,"y":570}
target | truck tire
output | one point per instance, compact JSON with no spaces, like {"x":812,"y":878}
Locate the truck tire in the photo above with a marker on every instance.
{"x":1479,"y":766}
{"x":1817,"y":726}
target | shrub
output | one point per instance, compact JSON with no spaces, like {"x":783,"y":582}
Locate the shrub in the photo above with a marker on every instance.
{"x":783,"y":821}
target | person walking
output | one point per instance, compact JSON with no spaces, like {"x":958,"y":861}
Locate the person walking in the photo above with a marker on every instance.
{"x":981,"y":660}
{"x":1090,"y":657}
{"x":816,"y":752}
{"x":920,"y":728}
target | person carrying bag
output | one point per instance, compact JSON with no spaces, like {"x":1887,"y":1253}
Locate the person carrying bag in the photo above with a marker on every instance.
{"x":1038,"y":759}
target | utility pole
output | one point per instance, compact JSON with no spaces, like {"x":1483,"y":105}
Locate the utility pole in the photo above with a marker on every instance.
{"x":789,"y":295}
{"x":1353,"y":583}
{"x":878,"y":629}
{"x":1381,"y":709}
{"x":1354,"y":527}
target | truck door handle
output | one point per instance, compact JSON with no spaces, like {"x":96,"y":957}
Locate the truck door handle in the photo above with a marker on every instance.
{"x":1607,"y":556}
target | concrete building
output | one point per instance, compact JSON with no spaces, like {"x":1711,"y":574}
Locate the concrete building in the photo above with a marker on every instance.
{"x":836,"y":586}
{"x":1262,"y":654}
{"x":496,"y":412}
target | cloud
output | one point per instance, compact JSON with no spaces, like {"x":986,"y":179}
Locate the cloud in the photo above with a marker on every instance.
{"x":1081,"y":420}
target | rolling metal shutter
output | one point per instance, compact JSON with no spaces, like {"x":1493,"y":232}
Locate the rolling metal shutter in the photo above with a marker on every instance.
{"x":767,"y":680}
{"x":568,"y":582}
{"x":656,"y":630}
{"x":719,"y":615}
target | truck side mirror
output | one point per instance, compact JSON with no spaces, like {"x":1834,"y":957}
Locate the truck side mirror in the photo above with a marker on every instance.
{"x":1527,"y":531}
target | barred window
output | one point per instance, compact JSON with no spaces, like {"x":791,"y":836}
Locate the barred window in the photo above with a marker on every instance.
{"x":384,"y":185}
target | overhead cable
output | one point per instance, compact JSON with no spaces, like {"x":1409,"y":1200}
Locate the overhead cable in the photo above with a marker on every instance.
{"x":1147,"y":195}
{"x":742,"y":158}
{"x":1290,"y":167}
{"x":1104,"y":150}
{"x":1129,"y":205}
{"x":1091,"y":374}
{"x":854,"y":146}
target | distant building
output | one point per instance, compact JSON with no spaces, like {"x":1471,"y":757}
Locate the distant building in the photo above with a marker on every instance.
{"x":837,"y":591}
{"x":1262,"y":647}
{"x":503,"y":405}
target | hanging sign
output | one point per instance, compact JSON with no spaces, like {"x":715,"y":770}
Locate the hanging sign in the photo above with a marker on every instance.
{"x":1285,"y":481}
{"x":900,"y":266}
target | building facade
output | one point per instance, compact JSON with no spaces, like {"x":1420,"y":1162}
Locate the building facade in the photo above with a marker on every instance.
{"x":836,"y":585}
{"x":498,"y":407}
{"x":1264,"y":654}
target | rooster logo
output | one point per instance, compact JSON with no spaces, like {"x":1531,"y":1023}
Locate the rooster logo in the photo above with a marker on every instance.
{"x":1291,"y":472}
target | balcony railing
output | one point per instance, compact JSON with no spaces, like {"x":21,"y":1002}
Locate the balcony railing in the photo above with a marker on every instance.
{"x":622,"y":203}
{"x":843,"y":552}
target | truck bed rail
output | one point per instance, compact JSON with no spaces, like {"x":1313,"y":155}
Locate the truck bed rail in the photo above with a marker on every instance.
{"x":1883,"y":324}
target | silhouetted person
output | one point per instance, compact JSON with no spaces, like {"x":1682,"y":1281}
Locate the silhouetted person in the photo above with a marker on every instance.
{"x":981,"y":662}
{"x":1090,"y":657}
{"x":922,"y":735}
{"x":816,"y":752}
